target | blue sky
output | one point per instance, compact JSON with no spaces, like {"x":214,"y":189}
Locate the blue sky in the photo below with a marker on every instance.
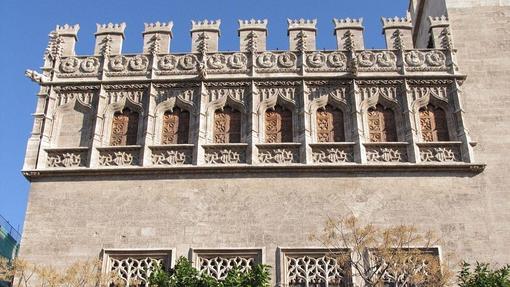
{"x":25,"y":25}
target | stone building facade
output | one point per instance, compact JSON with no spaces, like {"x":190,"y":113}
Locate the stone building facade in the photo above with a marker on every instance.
{"x":235,"y":158}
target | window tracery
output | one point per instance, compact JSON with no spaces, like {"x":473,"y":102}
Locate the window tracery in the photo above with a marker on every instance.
{"x":381,"y":124}
{"x":330,"y":125}
{"x":433,"y":124}
{"x":278,"y":125}
{"x":124,"y":128}
{"x":227,"y":126}
{"x":175,"y":127}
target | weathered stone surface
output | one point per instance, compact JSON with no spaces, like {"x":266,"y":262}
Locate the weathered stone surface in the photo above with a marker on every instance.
{"x":183,"y":202}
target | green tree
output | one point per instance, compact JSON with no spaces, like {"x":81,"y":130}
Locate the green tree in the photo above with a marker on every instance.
{"x":483,"y":276}
{"x":185,"y":275}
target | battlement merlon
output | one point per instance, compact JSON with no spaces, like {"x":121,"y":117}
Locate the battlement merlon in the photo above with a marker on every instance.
{"x":157,"y":37}
{"x":68,"y":35}
{"x":302,"y":34}
{"x":398,"y":32}
{"x":440,"y":32}
{"x":349,"y":34}
{"x":252,"y":35}
{"x":109,"y":39}
{"x":205,"y":35}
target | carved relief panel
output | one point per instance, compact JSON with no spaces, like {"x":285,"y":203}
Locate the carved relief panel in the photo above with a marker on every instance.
{"x":227,"y":126}
{"x":124,"y":128}
{"x":278,"y":125}
{"x":175,"y":129}
{"x":330,"y":125}
{"x":433,"y":124}
{"x":381,"y":124}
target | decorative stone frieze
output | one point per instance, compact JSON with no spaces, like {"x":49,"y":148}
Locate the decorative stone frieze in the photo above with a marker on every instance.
{"x":326,"y":61}
{"x":376,"y":61}
{"x":121,"y":156}
{"x":222,"y":63}
{"x":332,"y":153}
{"x":425,"y":60}
{"x":225,"y":153}
{"x":386,"y":152}
{"x":172,"y":155}
{"x":121,"y":66}
{"x":67,"y":157}
{"x":284,"y":153}
{"x":185,"y":64}
{"x":276,"y":62}
{"x":440,"y":152}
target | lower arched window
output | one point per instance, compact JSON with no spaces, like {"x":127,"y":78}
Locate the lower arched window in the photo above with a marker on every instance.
{"x":278,"y":124}
{"x":433,"y":124}
{"x":124,"y":128}
{"x":227,"y":126}
{"x":175,"y":129}
{"x":330,"y":125}
{"x":381,"y":124}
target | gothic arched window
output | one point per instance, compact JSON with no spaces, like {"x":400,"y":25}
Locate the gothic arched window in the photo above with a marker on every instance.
{"x":278,"y":123}
{"x":381,"y":124}
{"x":124,"y":128}
{"x":175,"y":128}
{"x":227,"y":126}
{"x":330,"y":125}
{"x":433,"y":124}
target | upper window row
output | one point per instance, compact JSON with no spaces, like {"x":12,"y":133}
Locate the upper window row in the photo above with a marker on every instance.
{"x":279,"y":125}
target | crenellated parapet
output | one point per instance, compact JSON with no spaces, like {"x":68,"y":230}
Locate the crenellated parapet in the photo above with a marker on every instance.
{"x":252,"y":107}
{"x":157,"y":37}
{"x":349,"y":34}
{"x":252,"y":35}
{"x":440,"y":32}
{"x":398,"y":32}
{"x":302,"y":33}
{"x":205,"y":35}
{"x":109,"y":39}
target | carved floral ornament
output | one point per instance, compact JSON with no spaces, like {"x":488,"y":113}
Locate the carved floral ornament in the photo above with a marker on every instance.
{"x":117,"y":158}
{"x":222,"y":156}
{"x":271,"y":60}
{"x":72,"y":65}
{"x":416,"y":58}
{"x":220,"y":61}
{"x":169,"y":157}
{"x":321,"y":60}
{"x":120,"y":63}
{"x":172,"y":62}
{"x":385,"y":154}
{"x":277,"y":155}
{"x":331,"y":155}
{"x":382,"y":59}
{"x":66,"y":159}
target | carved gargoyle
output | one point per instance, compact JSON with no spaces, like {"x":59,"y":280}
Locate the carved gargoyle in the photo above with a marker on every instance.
{"x":36,"y":77}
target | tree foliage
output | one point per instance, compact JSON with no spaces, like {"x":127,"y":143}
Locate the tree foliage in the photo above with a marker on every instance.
{"x":185,"y":275}
{"x":483,"y":276}
{"x":385,"y":254}
{"x":79,"y":274}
